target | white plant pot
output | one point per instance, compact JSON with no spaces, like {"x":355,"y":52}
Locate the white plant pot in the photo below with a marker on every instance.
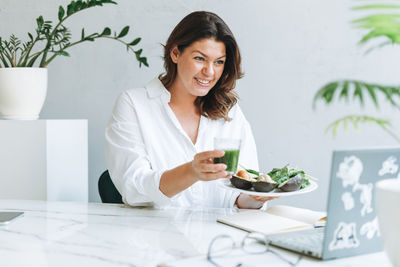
{"x":387,"y":208}
{"x":22,"y":92}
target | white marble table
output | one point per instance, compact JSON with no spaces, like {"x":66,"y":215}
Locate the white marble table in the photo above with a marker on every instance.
{"x":80,"y":234}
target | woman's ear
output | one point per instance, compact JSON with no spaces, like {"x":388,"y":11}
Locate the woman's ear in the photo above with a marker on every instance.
{"x":174,"y":54}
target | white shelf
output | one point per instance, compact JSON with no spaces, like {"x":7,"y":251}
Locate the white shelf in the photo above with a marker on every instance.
{"x":44,"y":160}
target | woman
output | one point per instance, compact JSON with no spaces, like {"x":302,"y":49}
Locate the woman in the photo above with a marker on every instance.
{"x":160,"y":137}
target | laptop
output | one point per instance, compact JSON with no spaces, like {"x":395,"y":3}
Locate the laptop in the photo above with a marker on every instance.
{"x":352,"y":226}
{"x":7,"y":216}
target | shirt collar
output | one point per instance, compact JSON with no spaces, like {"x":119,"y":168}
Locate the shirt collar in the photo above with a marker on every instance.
{"x":155,"y":88}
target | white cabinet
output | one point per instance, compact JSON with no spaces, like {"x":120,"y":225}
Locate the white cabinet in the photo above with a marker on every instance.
{"x":44,"y":160}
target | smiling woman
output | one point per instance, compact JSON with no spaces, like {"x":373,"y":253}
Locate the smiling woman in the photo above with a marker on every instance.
{"x":160,"y":137}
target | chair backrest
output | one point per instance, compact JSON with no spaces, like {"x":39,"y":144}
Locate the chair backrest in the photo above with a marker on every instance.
{"x":107,"y":191}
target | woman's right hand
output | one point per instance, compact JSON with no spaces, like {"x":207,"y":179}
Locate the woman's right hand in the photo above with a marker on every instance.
{"x":203,"y":166}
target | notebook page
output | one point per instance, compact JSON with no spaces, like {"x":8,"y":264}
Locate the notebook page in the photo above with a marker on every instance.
{"x":298,"y":214}
{"x":261,"y":221}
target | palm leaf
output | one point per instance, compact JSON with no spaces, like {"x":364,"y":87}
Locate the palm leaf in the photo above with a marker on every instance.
{"x":380,"y":24}
{"x":357,"y":120}
{"x":357,"y":90}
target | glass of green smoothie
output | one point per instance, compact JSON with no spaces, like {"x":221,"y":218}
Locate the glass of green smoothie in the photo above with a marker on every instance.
{"x":231,"y":158}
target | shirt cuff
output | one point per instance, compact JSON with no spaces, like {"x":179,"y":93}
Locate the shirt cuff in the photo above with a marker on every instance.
{"x":233,"y":199}
{"x":146,"y":192}
{"x":160,"y":200}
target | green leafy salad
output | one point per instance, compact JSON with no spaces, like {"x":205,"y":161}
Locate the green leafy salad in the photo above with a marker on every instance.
{"x":281,"y":175}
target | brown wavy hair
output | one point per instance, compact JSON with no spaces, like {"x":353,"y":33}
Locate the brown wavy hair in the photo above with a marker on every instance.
{"x":196,"y":26}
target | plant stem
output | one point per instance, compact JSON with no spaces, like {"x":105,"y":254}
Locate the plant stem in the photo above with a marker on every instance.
{"x":43,"y":63}
{"x":26,"y":56}
{"x":67,"y":46}
{"x":80,"y":41}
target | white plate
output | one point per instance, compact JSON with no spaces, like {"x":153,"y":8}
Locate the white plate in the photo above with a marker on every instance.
{"x":226,"y":183}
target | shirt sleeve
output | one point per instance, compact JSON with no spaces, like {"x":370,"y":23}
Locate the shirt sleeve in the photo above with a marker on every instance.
{"x":127,"y":159}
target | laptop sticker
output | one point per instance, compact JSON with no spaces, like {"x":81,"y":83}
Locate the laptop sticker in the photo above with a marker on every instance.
{"x":350,"y":171}
{"x":345,"y":236}
{"x":389,"y":166}
{"x":348,"y":201}
{"x":365,"y":197}
{"x":370,"y":229}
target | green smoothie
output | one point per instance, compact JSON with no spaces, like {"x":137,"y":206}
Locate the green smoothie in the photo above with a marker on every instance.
{"x":231,"y":159}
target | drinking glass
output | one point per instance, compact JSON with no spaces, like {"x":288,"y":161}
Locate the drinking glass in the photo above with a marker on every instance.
{"x":231,"y":156}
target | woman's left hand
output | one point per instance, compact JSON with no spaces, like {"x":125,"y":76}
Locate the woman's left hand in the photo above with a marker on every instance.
{"x":245,"y":201}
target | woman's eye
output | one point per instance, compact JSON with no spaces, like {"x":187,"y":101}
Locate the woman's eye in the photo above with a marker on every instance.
{"x":219,"y":62}
{"x":199,"y":58}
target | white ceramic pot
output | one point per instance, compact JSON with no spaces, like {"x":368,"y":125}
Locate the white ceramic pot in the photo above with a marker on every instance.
{"x":22,"y":92}
{"x":387,"y":208}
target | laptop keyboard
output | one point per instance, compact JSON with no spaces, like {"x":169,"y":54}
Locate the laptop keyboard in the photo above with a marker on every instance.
{"x":305,"y":241}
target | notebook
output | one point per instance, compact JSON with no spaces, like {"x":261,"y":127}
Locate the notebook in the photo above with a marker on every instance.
{"x":352,"y":225}
{"x":275,"y":219}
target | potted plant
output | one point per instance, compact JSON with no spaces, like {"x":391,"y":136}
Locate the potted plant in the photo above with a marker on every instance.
{"x":23,"y":73}
{"x":382,"y":24}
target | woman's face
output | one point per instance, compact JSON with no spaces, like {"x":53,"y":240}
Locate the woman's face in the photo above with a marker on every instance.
{"x":199,"y":66}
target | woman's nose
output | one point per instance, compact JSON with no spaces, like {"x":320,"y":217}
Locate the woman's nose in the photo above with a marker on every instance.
{"x":208,"y":69}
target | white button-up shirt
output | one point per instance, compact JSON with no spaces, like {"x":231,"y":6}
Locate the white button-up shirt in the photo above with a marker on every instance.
{"x":144,"y":139}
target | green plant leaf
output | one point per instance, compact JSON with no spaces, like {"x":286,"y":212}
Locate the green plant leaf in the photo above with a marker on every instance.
{"x":379,"y":6}
{"x":327,"y":92}
{"x":372,"y":94}
{"x":70,"y":8}
{"x":344,"y":93}
{"x":356,"y":120}
{"x":83,"y":34}
{"x":106,"y":32}
{"x":78,"y":5}
{"x":61,"y":53}
{"x":380,"y":25}
{"x":123,"y":32}
{"x":358,"y":93}
{"x":32,"y":61}
{"x":135,"y":42}
{"x":387,"y":91}
{"x":61,"y":13}
{"x":39,"y":22}
{"x":143,"y":60}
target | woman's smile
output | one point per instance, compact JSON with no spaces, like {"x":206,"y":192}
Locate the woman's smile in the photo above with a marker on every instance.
{"x":203,"y":82}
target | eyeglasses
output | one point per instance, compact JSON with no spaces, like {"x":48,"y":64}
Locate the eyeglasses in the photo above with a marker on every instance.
{"x":252,"y":243}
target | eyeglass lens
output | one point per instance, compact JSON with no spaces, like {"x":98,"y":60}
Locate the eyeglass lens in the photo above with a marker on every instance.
{"x":255,"y":243}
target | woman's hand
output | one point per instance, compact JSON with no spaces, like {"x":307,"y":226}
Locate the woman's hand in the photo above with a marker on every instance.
{"x":203,"y":166}
{"x":244,"y":201}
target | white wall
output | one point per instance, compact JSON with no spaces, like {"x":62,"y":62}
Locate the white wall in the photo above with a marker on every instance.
{"x":289,"y":49}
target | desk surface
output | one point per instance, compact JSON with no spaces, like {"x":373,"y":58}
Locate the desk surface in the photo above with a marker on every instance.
{"x":95,"y":234}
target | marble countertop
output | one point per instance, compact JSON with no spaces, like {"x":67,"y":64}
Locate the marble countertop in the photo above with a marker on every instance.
{"x":95,"y":234}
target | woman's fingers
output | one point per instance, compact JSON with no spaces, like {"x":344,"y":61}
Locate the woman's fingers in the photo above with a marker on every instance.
{"x":214,"y":175}
{"x":263,"y":199}
{"x":209,"y":155}
{"x":211,"y":167}
{"x":204,"y":161}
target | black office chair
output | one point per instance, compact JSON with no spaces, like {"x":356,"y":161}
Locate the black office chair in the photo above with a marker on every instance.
{"x":107,"y":191}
